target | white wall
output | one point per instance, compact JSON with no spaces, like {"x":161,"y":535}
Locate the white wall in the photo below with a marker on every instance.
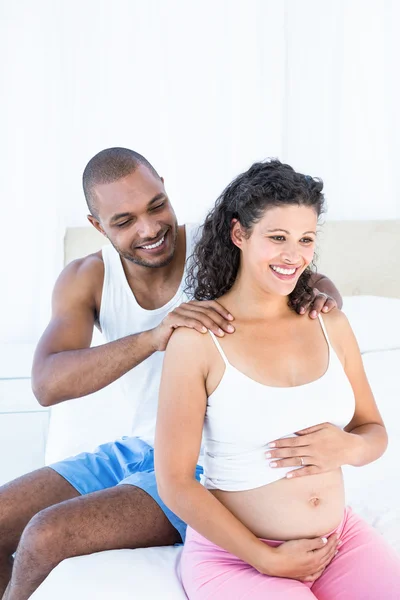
{"x":196,"y":87}
{"x":202,"y":90}
{"x":30,"y":156}
{"x":342,"y":102}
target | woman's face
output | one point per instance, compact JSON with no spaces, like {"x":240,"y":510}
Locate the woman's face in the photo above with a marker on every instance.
{"x":280,"y":247}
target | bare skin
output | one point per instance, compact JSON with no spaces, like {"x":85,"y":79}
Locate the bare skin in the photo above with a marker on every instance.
{"x":51,"y":522}
{"x":66,"y":367}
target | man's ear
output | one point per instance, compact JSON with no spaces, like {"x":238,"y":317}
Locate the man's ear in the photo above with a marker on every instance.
{"x":96,"y":224}
{"x":237,"y":233}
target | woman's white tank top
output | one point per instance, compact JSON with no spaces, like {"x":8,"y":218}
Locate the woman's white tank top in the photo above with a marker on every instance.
{"x":121,"y":315}
{"x":243,"y":416}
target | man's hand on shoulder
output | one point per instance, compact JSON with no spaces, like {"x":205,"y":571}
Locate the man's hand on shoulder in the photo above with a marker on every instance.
{"x":201,"y":316}
{"x":325,"y":297}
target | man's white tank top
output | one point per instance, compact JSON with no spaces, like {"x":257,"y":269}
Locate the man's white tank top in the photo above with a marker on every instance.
{"x":121,"y":315}
{"x":243,"y":416}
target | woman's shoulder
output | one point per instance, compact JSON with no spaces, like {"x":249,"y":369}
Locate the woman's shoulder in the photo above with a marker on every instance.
{"x":336,"y":318}
{"x":189,"y":340}
{"x":339,"y":331}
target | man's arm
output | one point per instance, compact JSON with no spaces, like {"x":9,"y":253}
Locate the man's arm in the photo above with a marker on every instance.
{"x":64,"y":365}
{"x":324,"y":298}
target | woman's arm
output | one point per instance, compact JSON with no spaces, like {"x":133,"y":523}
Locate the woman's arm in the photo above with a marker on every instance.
{"x":182,"y":406}
{"x":326,"y":446}
{"x":366,"y":425}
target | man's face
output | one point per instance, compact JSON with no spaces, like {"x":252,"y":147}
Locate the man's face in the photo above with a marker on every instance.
{"x":137,"y":217}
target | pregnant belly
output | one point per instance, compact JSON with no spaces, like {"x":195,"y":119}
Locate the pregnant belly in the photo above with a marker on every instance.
{"x":290,"y":509}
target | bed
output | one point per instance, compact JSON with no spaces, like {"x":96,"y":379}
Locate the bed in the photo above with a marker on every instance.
{"x":362,"y":259}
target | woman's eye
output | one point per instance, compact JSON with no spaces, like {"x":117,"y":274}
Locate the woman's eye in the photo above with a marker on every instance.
{"x":307,"y":240}
{"x":278,"y":238}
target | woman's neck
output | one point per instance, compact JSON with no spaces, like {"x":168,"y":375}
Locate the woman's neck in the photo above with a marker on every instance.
{"x":246,"y":300}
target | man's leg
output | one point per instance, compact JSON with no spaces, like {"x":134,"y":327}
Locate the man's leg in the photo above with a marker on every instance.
{"x":20,"y":500}
{"x":121,"y":517}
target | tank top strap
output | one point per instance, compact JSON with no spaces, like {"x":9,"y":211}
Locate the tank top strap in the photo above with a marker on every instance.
{"x":222,"y":353}
{"x":324,"y":330}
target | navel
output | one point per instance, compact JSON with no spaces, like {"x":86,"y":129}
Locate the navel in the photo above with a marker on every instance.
{"x":314,"y":501}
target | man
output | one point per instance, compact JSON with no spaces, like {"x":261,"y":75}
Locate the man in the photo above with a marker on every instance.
{"x":134,"y":291}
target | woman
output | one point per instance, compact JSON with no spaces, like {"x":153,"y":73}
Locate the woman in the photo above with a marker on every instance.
{"x":283,"y":403}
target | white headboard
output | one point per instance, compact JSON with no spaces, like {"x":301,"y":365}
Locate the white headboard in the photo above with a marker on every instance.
{"x":361,"y":257}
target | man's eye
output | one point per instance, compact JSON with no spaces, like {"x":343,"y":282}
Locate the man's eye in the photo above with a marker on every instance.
{"x":158,"y":206}
{"x":123,"y":224}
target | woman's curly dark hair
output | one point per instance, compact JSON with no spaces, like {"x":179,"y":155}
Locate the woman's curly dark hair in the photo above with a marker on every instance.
{"x":266,"y":184}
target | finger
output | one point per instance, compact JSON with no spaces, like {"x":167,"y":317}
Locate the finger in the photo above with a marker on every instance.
{"x":304,"y":472}
{"x":304,"y":305}
{"x":288,"y":453}
{"x":199,"y":317}
{"x":289,"y":442}
{"x":316,"y":307}
{"x":321,"y":545}
{"x":210,"y":313}
{"x":312,"y":429}
{"x":329,"y":305}
{"x":215,"y":306}
{"x":322,"y":551}
{"x":313,"y":577}
{"x":190,"y":323}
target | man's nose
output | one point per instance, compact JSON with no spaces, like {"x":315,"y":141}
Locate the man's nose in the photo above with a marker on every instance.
{"x":148,"y":230}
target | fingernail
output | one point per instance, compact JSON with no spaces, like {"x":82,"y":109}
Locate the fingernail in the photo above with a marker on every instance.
{"x":289,"y":475}
{"x":272,"y":464}
{"x":302,"y":311}
{"x":339,"y":543}
{"x":337,"y":552}
{"x":204,"y":329}
{"x":324,"y":540}
{"x":313,"y":314}
{"x":272,"y":445}
{"x":230,"y":317}
{"x":220,"y":332}
{"x":325,"y":309}
{"x":230,"y":328}
{"x":268,"y":455}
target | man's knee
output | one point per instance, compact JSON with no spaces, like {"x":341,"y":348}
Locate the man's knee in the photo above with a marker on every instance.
{"x":42,"y":541}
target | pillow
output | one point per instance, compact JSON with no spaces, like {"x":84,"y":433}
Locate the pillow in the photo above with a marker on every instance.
{"x":123,"y":574}
{"x":375,"y":321}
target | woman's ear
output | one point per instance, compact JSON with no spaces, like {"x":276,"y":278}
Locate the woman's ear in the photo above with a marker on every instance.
{"x":237,"y":234}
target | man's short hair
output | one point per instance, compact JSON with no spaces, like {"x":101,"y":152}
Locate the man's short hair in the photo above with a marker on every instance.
{"x":107,"y":166}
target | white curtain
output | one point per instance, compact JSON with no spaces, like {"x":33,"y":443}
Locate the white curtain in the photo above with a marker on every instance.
{"x":342,"y":102}
{"x":202,"y":90}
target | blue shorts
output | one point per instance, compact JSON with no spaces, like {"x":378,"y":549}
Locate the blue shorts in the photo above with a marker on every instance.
{"x":129,"y":460}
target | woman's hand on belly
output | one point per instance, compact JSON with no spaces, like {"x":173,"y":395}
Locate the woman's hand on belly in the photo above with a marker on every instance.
{"x":304,"y":560}
{"x":318,"y":449}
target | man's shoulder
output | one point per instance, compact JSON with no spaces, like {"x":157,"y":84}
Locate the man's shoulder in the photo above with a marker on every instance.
{"x":91,"y":265}
{"x":86,"y":273}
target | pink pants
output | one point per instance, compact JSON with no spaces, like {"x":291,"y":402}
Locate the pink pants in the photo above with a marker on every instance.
{"x":365,"y":568}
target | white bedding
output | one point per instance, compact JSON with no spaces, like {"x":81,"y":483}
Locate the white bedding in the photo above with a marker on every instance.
{"x":373,"y":491}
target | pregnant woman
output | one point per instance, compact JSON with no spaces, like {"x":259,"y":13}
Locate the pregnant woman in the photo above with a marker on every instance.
{"x":281,"y":405}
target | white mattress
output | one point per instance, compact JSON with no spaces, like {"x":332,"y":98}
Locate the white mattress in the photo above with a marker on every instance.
{"x":373,"y":491}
